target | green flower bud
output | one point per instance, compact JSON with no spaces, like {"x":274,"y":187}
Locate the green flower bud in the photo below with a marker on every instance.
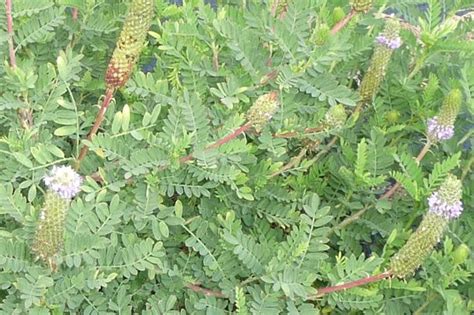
{"x":49,"y":237}
{"x":460,"y":254}
{"x":419,"y":246}
{"x":361,"y":5}
{"x":335,"y":117}
{"x":450,"y":108}
{"x":262,"y":110}
{"x":338,"y":14}
{"x":321,"y":34}
{"x":387,"y":41}
{"x":130,"y":43}
{"x":392,"y":116}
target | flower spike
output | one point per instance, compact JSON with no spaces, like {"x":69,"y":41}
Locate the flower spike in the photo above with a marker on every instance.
{"x":444,"y":205}
{"x":130,"y":43}
{"x":441,"y":127}
{"x":63,"y":184}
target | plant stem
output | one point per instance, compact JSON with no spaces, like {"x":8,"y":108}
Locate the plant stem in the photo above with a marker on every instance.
{"x":357,"y":283}
{"x":207,"y":292}
{"x":387,"y":195}
{"x":294,"y":161}
{"x":11,"y":48}
{"x":348,"y":220}
{"x":420,"y":157}
{"x":109,"y":93}
{"x":220,"y":142}
{"x":342,"y":23}
{"x":75,"y":14}
{"x":294,"y":134}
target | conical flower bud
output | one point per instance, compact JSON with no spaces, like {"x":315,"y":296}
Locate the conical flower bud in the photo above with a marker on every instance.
{"x":441,"y":127}
{"x":63,"y":184}
{"x":361,"y":5}
{"x":262,"y":110}
{"x":387,"y":41}
{"x":335,"y":117}
{"x":130,"y":43}
{"x":321,"y":34}
{"x":338,"y":14}
{"x":444,"y":205}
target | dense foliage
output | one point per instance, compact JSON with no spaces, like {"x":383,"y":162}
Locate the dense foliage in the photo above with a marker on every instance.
{"x":172,"y":220}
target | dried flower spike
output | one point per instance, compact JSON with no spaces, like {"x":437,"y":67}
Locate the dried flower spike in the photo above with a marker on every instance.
{"x":335,"y":117}
{"x":361,"y":5}
{"x":441,"y":127}
{"x":444,"y":205}
{"x":387,"y":41}
{"x":130,"y":43}
{"x":262,"y":110}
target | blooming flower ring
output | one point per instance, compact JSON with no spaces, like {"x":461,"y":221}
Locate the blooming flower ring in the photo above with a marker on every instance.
{"x":392,"y":43}
{"x":64,"y":181}
{"x":442,"y":208}
{"x":439,"y":131}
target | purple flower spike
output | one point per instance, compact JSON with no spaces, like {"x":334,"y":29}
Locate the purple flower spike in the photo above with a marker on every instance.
{"x":439,"y":132}
{"x":390,"y":43}
{"x":440,"y":207}
{"x":446,"y":201}
{"x":395,"y":43}
{"x":64,"y":181}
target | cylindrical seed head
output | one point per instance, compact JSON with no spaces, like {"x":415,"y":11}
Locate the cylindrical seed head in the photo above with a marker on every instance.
{"x":387,"y":41}
{"x":361,"y":5}
{"x":419,"y":245}
{"x":49,"y":237}
{"x":130,"y":43}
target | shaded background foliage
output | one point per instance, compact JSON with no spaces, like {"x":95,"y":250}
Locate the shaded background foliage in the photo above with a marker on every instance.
{"x":137,"y":239}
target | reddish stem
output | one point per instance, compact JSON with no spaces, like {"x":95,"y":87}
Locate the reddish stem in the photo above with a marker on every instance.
{"x":109,"y":93}
{"x":220,"y":142}
{"x":342,"y":23}
{"x":357,"y":283}
{"x":197,"y":288}
{"x":293,"y":134}
{"x":11,"y":48}
{"x":420,"y":157}
{"x":75,"y":14}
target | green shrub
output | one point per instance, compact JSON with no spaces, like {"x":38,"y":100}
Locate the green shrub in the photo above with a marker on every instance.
{"x":255,"y":160}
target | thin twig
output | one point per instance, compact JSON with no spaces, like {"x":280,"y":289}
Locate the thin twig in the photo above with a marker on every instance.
{"x":357,"y":283}
{"x":294,"y":134}
{"x":219,"y":142}
{"x":395,"y":187}
{"x":11,"y":47}
{"x":98,"y":120}
{"x":207,"y":292}
{"x":354,"y":217}
{"x":75,"y":14}
{"x":342,"y":23}
{"x":294,"y":161}
{"x":348,"y":220}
